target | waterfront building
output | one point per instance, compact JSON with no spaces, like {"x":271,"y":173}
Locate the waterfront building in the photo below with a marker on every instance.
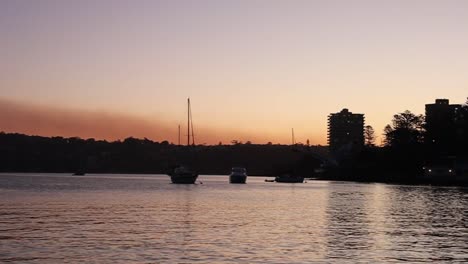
{"x":345,"y":131}
{"x":442,"y":124}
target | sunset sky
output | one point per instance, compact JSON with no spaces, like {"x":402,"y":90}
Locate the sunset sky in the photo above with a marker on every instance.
{"x":253,"y":69}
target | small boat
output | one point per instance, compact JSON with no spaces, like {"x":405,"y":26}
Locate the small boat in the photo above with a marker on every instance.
{"x":183,"y":175}
{"x":288,"y":178}
{"x":79,"y":173}
{"x":439,"y":172}
{"x":238,"y":175}
{"x":449,"y":169}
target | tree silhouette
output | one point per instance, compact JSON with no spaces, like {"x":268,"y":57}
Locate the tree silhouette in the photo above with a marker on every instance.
{"x":369,"y":136}
{"x":22,"y":153}
{"x":406,"y":129}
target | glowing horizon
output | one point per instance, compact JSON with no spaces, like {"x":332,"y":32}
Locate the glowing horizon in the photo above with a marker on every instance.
{"x":43,"y":120}
{"x":253,"y":70}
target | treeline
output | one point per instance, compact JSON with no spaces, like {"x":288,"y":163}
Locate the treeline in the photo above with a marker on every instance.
{"x":23,"y":153}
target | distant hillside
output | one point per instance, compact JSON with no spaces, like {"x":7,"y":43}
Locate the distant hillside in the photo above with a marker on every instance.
{"x":23,"y":153}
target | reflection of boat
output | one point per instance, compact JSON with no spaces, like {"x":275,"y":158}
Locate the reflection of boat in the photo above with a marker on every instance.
{"x":289,"y":178}
{"x":238,"y":175}
{"x":183,"y":175}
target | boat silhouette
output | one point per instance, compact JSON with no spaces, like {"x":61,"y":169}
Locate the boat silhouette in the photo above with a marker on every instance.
{"x":182,"y":174}
{"x":238,"y":175}
{"x":289,"y":178}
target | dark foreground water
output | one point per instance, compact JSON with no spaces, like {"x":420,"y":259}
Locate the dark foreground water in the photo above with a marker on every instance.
{"x":56,"y":218}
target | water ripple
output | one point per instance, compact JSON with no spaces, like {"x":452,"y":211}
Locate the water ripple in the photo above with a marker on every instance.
{"x":144,"y":219}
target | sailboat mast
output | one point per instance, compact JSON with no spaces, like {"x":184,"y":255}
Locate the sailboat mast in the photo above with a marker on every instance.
{"x":293,"y":139}
{"x":191,"y":126}
{"x":179,"y":135}
{"x":188,"y":121}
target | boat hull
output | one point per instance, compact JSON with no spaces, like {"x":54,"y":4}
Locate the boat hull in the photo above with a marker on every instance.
{"x":188,"y":178}
{"x":290,"y":179}
{"x":237,"y":178}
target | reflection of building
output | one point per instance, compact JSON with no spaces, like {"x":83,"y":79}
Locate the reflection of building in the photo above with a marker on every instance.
{"x":441,"y":123}
{"x":345,"y":131}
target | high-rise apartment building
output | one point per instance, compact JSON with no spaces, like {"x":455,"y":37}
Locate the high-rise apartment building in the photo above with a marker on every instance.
{"x":345,"y":131}
{"x":441,"y":123}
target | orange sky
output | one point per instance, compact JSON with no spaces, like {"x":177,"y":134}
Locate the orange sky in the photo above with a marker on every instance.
{"x":43,"y":120}
{"x":253,"y":69}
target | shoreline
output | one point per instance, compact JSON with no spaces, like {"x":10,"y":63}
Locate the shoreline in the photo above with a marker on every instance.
{"x":411,"y":182}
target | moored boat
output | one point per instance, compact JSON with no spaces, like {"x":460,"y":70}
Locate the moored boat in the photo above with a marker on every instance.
{"x":238,"y":175}
{"x":288,"y":178}
{"x":183,"y":175}
{"x":446,"y":170}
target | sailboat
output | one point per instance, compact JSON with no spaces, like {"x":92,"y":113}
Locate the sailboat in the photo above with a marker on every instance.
{"x":290,"y":177}
{"x":182,"y":174}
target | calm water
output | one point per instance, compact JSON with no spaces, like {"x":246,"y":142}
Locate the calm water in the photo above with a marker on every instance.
{"x":56,"y":218}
